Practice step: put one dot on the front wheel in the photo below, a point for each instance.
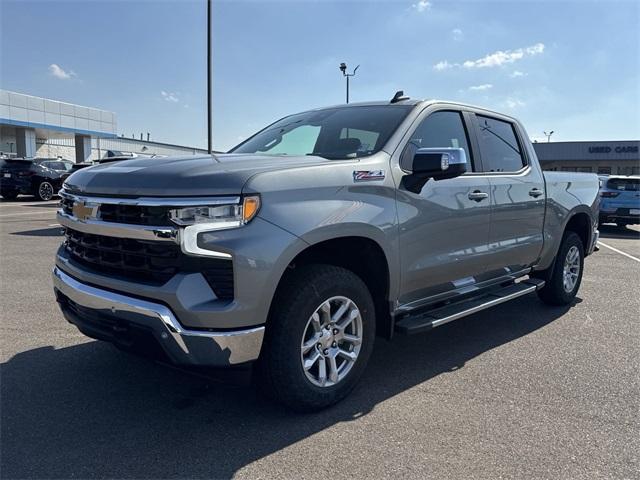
(45, 191)
(566, 275)
(319, 337)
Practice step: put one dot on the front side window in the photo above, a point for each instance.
(443, 129)
(333, 133)
(499, 145)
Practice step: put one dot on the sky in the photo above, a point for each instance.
(568, 66)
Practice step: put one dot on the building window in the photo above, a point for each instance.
(628, 170)
(604, 170)
(567, 169)
(584, 169)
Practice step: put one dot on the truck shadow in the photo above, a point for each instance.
(41, 232)
(89, 411)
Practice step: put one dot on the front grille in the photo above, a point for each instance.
(134, 214)
(154, 263)
(157, 216)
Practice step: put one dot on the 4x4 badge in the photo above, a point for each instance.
(367, 175)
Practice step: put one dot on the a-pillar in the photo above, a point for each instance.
(83, 148)
(25, 142)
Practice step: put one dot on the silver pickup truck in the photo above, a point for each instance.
(321, 231)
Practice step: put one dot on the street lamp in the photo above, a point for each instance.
(548, 135)
(209, 126)
(343, 69)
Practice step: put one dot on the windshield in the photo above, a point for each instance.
(333, 133)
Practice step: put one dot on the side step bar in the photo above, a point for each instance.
(448, 313)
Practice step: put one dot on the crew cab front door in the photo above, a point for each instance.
(443, 229)
(517, 195)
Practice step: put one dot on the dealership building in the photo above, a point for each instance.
(33, 126)
(606, 158)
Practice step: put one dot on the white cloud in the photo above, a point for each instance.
(479, 88)
(502, 57)
(495, 59)
(422, 6)
(517, 73)
(457, 34)
(169, 96)
(57, 71)
(443, 65)
(513, 103)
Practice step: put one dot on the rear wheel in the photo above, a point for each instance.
(319, 337)
(9, 194)
(45, 191)
(566, 275)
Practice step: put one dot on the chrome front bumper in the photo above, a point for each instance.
(84, 306)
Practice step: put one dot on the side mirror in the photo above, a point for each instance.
(436, 163)
(439, 163)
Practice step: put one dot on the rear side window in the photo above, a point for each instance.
(499, 145)
(442, 129)
(632, 184)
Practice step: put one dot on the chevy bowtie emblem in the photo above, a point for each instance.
(367, 175)
(82, 212)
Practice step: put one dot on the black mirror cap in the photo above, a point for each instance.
(439, 163)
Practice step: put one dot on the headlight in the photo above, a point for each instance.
(217, 217)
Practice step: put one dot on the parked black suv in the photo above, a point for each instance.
(41, 177)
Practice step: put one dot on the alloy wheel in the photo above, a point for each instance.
(571, 269)
(331, 341)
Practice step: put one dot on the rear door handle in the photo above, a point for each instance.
(535, 192)
(478, 196)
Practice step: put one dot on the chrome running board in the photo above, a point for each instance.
(454, 311)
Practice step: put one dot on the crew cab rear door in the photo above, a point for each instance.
(517, 195)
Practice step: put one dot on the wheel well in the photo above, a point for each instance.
(365, 258)
(580, 224)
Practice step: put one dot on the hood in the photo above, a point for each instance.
(223, 174)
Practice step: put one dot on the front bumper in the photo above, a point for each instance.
(122, 319)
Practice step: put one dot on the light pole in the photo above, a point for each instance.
(209, 126)
(343, 69)
(548, 135)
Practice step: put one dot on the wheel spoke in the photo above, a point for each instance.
(322, 371)
(350, 356)
(315, 322)
(338, 315)
(352, 339)
(350, 318)
(325, 309)
(311, 361)
(333, 368)
(309, 344)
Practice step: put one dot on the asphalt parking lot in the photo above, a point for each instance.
(522, 390)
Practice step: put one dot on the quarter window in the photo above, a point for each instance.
(499, 145)
(441, 129)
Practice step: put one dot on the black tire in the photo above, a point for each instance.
(279, 370)
(554, 291)
(45, 191)
(9, 194)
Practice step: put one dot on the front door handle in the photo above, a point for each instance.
(535, 192)
(478, 196)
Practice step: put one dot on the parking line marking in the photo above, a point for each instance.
(619, 251)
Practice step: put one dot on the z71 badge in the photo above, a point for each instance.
(367, 175)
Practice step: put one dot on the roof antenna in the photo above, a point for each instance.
(399, 96)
